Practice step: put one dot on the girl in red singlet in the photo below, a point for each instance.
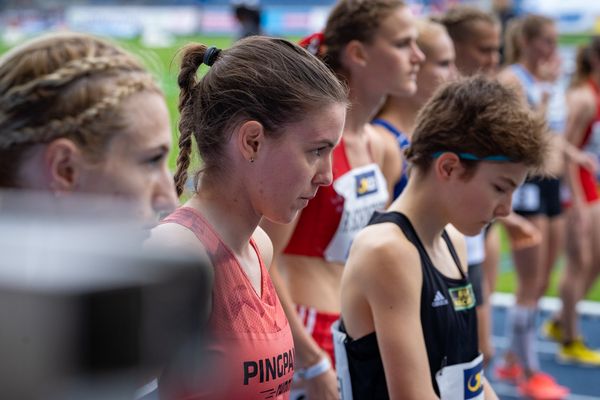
(583, 214)
(265, 117)
(371, 45)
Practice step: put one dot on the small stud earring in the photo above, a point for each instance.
(251, 159)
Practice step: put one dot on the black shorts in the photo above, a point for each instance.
(476, 277)
(538, 196)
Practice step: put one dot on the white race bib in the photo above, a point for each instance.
(461, 381)
(341, 362)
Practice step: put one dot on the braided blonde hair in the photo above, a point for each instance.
(67, 85)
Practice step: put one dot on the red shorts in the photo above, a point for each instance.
(318, 324)
(589, 186)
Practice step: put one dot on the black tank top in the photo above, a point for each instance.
(447, 317)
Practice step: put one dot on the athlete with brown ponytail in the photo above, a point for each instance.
(265, 119)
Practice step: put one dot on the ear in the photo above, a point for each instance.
(448, 166)
(250, 139)
(62, 159)
(355, 53)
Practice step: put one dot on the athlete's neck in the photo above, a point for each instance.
(420, 203)
(401, 112)
(364, 104)
(229, 212)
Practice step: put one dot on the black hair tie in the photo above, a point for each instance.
(210, 56)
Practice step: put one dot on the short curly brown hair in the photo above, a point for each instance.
(480, 116)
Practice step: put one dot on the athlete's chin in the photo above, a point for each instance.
(471, 229)
(283, 218)
(408, 88)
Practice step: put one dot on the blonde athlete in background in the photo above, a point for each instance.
(583, 212)
(265, 118)
(399, 112)
(408, 308)
(533, 64)
(371, 45)
(79, 114)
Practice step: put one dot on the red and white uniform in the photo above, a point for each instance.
(332, 219)
(328, 225)
(250, 334)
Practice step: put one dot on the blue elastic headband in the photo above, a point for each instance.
(473, 157)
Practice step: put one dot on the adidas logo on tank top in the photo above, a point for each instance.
(439, 300)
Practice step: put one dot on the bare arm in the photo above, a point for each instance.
(522, 233)
(488, 390)
(581, 112)
(387, 268)
(308, 352)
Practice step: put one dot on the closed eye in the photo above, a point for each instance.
(319, 152)
(499, 189)
(403, 43)
(156, 158)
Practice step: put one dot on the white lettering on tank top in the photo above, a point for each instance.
(364, 191)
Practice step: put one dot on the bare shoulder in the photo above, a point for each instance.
(379, 142)
(386, 140)
(506, 75)
(264, 244)
(176, 237)
(582, 101)
(381, 253)
(381, 134)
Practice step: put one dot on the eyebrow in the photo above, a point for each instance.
(325, 142)
(509, 181)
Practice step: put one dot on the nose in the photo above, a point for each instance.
(324, 175)
(418, 56)
(164, 197)
(505, 207)
(494, 60)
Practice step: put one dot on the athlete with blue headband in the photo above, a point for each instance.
(406, 270)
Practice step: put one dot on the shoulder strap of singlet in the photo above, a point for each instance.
(407, 228)
(524, 76)
(400, 136)
(528, 81)
(453, 252)
(195, 222)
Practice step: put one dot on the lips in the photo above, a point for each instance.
(309, 197)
